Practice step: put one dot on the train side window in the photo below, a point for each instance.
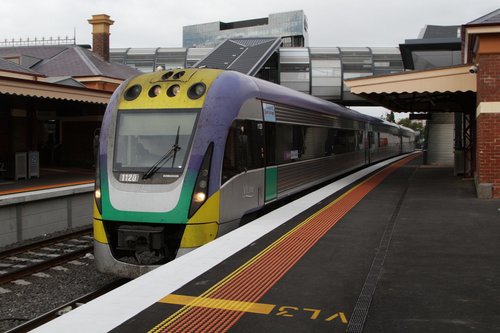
(244, 148)
(290, 145)
(371, 139)
(341, 141)
(359, 140)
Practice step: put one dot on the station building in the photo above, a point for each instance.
(52, 99)
(291, 27)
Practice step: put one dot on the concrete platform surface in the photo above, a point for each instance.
(406, 249)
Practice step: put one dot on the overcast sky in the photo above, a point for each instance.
(158, 23)
(155, 23)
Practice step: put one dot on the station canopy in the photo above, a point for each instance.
(449, 89)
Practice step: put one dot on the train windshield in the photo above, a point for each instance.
(153, 140)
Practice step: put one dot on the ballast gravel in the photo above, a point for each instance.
(32, 296)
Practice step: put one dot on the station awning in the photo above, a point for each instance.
(244, 55)
(30, 88)
(449, 89)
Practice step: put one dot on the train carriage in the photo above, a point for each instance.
(184, 154)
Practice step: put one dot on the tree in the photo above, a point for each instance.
(389, 117)
(414, 125)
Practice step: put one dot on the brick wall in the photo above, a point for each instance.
(488, 122)
(488, 78)
(100, 45)
(488, 150)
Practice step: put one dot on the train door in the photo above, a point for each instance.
(242, 187)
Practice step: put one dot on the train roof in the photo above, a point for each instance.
(406, 129)
(283, 95)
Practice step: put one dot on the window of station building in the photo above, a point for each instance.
(294, 67)
(244, 148)
(435, 59)
(292, 41)
(143, 66)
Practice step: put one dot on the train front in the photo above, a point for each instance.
(151, 196)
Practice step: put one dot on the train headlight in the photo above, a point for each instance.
(132, 92)
(173, 90)
(197, 90)
(199, 197)
(97, 192)
(200, 192)
(154, 91)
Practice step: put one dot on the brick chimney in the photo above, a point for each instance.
(100, 35)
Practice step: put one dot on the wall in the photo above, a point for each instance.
(25, 216)
(441, 129)
(488, 125)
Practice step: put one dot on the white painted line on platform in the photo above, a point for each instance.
(117, 306)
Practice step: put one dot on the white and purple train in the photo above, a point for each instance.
(185, 154)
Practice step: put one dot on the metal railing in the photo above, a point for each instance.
(38, 41)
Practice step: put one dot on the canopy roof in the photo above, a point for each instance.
(444, 89)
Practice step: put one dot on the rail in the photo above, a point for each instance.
(26, 260)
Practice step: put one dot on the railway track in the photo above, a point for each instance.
(61, 310)
(28, 259)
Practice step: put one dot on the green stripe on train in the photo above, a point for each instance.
(271, 183)
(177, 215)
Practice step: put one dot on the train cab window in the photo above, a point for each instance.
(143, 138)
(244, 148)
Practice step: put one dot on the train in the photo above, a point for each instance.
(185, 154)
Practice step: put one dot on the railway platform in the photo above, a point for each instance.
(50, 178)
(396, 248)
(59, 199)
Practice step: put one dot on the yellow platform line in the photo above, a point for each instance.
(212, 303)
